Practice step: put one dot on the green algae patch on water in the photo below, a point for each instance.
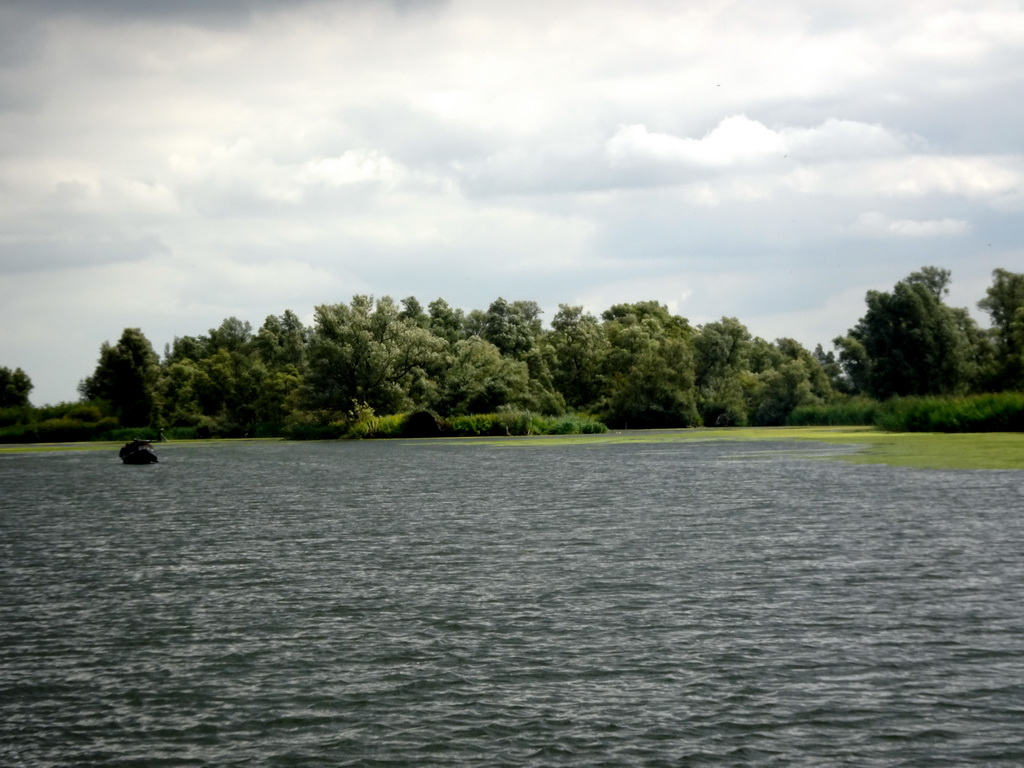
(57, 447)
(923, 450)
(939, 450)
(115, 445)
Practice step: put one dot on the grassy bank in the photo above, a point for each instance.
(999, 412)
(993, 450)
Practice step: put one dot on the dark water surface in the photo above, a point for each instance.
(459, 604)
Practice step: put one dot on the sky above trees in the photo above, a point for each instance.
(166, 165)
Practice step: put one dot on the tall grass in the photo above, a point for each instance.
(1003, 412)
(364, 424)
(854, 411)
(519, 423)
(58, 430)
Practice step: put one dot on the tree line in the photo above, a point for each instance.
(636, 365)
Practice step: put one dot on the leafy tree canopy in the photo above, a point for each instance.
(14, 388)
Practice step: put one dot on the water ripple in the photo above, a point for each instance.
(467, 605)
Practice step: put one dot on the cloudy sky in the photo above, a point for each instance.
(167, 165)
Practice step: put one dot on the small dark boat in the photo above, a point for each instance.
(138, 452)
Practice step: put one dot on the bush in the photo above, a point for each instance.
(268, 429)
(1002, 412)
(473, 425)
(305, 430)
(18, 433)
(15, 414)
(524, 423)
(85, 413)
(371, 426)
(854, 411)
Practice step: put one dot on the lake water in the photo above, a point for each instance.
(433, 603)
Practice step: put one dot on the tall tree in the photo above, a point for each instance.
(783, 376)
(579, 345)
(909, 342)
(281, 342)
(649, 368)
(14, 387)
(1004, 302)
(480, 380)
(446, 322)
(721, 353)
(513, 327)
(234, 335)
(366, 352)
(125, 377)
(412, 310)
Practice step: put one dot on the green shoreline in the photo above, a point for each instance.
(923, 450)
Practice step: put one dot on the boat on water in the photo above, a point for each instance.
(138, 452)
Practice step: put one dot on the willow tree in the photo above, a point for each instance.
(909, 342)
(721, 354)
(14, 387)
(1004, 302)
(368, 352)
(579, 347)
(649, 367)
(126, 378)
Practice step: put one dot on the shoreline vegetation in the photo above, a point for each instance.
(1001, 412)
(375, 368)
(918, 450)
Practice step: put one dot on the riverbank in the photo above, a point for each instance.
(923, 450)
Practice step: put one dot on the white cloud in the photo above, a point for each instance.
(736, 140)
(875, 224)
(243, 163)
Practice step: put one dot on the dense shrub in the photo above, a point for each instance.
(973, 413)
(854, 411)
(524, 423)
(307, 430)
(85, 412)
(268, 429)
(370, 425)
(59, 430)
(15, 414)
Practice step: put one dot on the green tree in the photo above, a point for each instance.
(829, 363)
(193, 348)
(413, 311)
(480, 379)
(14, 388)
(783, 376)
(649, 368)
(366, 352)
(909, 342)
(178, 388)
(721, 354)
(446, 322)
(125, 377)
(579, 348)
(233, 334)
(230, 387)
(1004, 302)
(281, 342)
(514, 328)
